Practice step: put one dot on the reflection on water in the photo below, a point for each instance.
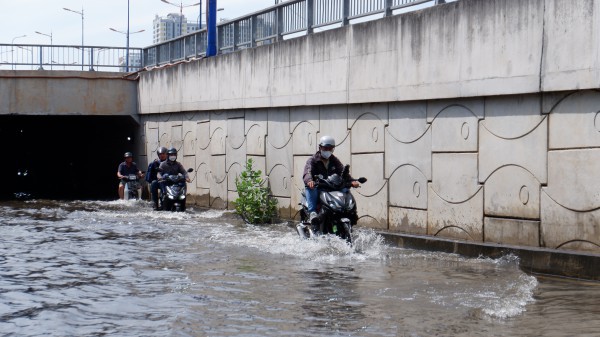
(120, 269)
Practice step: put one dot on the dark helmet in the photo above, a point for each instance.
(172, 152)
(160, 150)
(128, 154)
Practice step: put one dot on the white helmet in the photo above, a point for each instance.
(327, 141)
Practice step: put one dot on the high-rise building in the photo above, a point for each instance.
(172, 26)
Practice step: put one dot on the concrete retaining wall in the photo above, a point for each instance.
(475, 120)
(467, 48)
(518, 170)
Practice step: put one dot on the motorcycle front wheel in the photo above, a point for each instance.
(347, 234)
(179, 206)
(167, 205)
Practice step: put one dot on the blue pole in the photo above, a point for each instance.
(211, 25)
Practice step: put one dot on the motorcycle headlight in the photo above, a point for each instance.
(182, 197)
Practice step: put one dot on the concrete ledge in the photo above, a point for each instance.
(67, 93)
(531, 260)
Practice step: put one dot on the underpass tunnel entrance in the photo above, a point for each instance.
(64, 157)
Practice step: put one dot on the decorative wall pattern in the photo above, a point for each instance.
(520, 169)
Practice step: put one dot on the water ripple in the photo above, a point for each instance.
(118, 268)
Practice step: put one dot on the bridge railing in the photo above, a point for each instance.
(273, 24)
(68, 57)
(263, 27)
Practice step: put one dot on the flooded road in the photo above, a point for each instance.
(120, 269)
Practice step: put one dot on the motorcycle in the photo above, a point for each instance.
(133, 188)
(23, 182)
(175, 190)
(336, 210)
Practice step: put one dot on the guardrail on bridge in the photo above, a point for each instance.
(263, 27)
(66, 57)
(272, 24)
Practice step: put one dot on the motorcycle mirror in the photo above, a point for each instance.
(190, 170)
(362, 180)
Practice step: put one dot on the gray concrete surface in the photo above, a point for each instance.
(67, 93)
(571, 264)
(476, 169)
(476, 120)
(467, 48)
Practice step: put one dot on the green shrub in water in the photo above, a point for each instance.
(254, 203)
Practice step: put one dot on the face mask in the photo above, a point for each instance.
(326, 154)
(172, 158)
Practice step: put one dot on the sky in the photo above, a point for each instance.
(25, 17)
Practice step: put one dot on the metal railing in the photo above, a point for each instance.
(273, 24)
(263, 27)
(65, 57)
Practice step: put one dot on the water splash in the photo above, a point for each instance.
(493, 288)
(283, 239)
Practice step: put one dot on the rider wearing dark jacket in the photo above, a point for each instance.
(152, 172)
(171, 166)
(125, 169)
(324, 163)
(315, 165)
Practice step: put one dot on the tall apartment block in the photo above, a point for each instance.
(171, 26)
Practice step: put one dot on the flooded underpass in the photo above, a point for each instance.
(119, 269)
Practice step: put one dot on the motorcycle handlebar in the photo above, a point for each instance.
(128, 177)
(176, 177)
(173, 178)
(319, 178)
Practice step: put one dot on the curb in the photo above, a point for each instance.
(572, 264)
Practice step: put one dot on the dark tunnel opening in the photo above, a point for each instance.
(64, 157)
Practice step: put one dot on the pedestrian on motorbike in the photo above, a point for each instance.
(171, 167)
(324, 163)
(126, 168)
(152, 175)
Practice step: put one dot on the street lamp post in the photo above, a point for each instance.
(12, 52)
(127, 48)
(181, 7)
(200, 17)
(82, 48)
(98, 51)
(4, 52)
(51, 58)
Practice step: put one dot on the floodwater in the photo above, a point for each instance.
(119, 269)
